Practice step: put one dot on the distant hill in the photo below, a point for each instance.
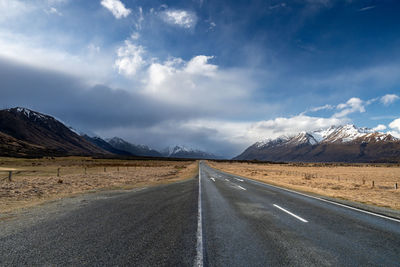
(136, 150)
(105, 145)
(24, 132)
(336, 144)
(180, 151)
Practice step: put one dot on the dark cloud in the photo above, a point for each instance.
(101, 109)
(84, 107)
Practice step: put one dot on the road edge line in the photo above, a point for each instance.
(333, 202)
(199, 244)
(318, 198)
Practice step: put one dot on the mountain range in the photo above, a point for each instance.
(180, 151)
(346, 143)
(27, 133)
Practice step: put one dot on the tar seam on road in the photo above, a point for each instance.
(328, 201)
(288, 212)
(199, 256)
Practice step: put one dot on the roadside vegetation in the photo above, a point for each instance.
(34, 181)
(366, 183)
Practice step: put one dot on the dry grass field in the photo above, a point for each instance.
(35, 181)
(350, 182)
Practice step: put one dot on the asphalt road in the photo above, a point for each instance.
(155, 226)
(246, 223)
(240, 223)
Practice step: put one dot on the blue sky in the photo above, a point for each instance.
(215, 75)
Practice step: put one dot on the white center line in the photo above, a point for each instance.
(240, 180)
(288, 212)
(199, 248)
(226, 180)
(212, 178)
(241, 187)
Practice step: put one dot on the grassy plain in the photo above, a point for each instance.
(351, 182)
(35, 181)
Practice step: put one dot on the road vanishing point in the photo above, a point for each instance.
(216, 219)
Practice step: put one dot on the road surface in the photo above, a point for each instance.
(234, 222)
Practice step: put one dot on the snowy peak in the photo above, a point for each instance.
(172, 150)
(342, 134)
(180, 151)
(116, 141)
(137, 150)
(302, 138)
(284, 140)
(332, 135)
(346, 143)
(30, 114)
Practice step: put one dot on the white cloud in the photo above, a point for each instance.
(395, 125)
(212, 25)
(277, 6)
(10, 9)
(139, 19)
(389, 99)
(53, 11)
(243, 134)
(35, 51)
(380, 127)
(130, 58)
(199, 65)
(324, 107)
(366, 8)
(354, 104)
(186, 82)
(116, 7)
(135, 36)
(181, 18)
(93, 49)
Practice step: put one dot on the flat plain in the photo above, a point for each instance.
(372, 184)
(35, 181)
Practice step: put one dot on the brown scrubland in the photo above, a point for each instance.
(35, 181)
(365, 183)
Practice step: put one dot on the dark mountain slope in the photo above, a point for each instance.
(42, 131)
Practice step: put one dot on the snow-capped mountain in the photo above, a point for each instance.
(340, 134)
(180, 151)
(29, 133)
(336, 143)
(137, 150)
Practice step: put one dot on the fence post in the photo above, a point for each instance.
(85, 171)
(373, 183)
(117, 169)
(395, 186)
(105, 169)
(58, 172)
(10, 176)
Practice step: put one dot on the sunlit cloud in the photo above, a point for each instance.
(182, 18)
(389, 99)
(116, 7)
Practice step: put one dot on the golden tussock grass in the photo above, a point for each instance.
(350, 182)
(35, 181)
